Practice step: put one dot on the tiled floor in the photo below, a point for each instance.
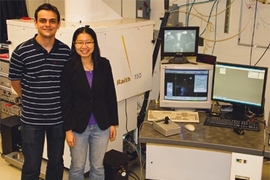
(9, 172)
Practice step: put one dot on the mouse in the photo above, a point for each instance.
(239, 131)
(190, 127)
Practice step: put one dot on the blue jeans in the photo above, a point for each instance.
(32, 147)
(96, 140)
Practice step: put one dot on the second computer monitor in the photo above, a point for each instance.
(241, 85)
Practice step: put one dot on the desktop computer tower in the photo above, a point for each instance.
(116, 165)
(11, 134)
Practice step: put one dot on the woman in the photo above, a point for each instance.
(89, 105)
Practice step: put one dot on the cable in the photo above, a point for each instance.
(262, 54)
(188, 14)
(267, 130)
(177, 7)
(217, 13)
(249, 113)
(128, 134)
(209, 16)
(148, 122)
(139, 154)
(132, 176)
(135, 147)
(2, 155)
(220, 40)
(141, 164)
(136, 176)
(138, 149)
(126, 116)
(210, 26)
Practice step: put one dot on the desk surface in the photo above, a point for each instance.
(208, 137)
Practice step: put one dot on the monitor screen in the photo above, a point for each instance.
(186, 86)
(179, 40)
(240, 85)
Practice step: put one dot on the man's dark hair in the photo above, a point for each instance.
(47, 7)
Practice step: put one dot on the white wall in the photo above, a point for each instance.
(125, 8)
(33, 4)
(226, 48)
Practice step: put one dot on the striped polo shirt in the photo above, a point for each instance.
(39, 73)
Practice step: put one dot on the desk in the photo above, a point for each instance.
(207, 153)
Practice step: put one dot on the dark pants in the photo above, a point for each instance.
(32, 146)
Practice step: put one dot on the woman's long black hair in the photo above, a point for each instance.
(96, 53)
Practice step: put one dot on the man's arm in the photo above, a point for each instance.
(16, 85)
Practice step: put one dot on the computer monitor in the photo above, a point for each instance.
(242, 86)
(186, 86)
(179, 42)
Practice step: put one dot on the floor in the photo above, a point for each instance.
(266, 170)
(10, 172)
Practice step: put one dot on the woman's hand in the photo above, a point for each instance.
(70, 138)
(112, 133)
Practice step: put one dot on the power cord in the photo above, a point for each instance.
(249, 113)
(134, 175)
(137, 149)
(141, 154)
(2, 155)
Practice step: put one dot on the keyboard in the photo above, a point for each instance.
(175, 116)
(229, 123)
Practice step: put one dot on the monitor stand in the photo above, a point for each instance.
(179, 58)
(238, 113)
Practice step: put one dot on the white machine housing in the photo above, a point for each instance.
(127, 43)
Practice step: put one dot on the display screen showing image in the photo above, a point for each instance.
(239, 84)
(186, 85)
(179, 40)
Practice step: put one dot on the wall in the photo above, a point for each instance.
(225, 47)
(33, 4)
(125, 8)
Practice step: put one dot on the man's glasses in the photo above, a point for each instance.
(81, 43)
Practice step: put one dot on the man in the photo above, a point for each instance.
(35, 71)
